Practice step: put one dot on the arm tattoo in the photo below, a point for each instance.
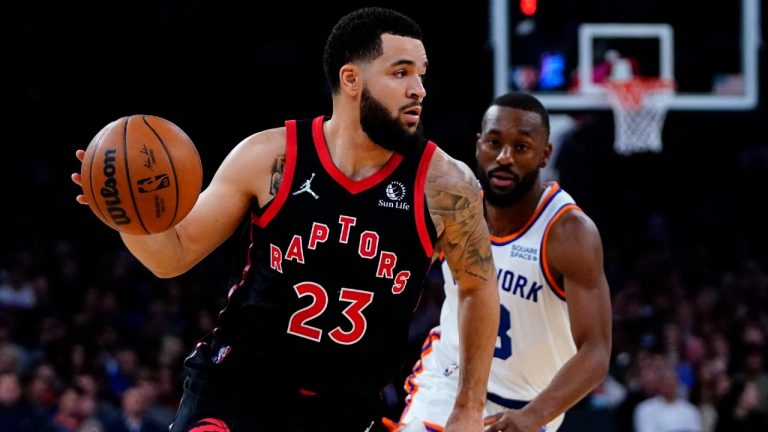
(276, 179)
(454, 200)
(471, 244)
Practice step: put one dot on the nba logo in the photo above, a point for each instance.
(223, 352)
(151, 184)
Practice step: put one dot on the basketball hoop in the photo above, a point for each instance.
(639, 108)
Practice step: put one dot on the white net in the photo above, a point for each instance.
(639, 108)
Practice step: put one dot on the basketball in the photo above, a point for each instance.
(141, 174)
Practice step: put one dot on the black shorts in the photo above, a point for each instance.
(216, 402)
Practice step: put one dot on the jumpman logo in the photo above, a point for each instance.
(306, 188)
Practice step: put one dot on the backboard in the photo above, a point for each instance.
(563, 49)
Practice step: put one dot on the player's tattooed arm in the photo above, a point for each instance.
(276, 177)
(456, 207)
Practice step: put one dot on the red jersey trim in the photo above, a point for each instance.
(247, 267)
(352, 186)
(290, 166)
(418, 198)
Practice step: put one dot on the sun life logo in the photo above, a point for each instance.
(395, 191)
(396, 194)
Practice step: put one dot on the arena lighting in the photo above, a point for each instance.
(528, 7)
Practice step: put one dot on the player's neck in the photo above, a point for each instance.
(351, 150)
(503, 221)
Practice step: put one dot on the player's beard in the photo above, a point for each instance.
(385, 130)
(522, 186)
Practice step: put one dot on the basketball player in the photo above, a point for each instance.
(346, 212)
(554, 335)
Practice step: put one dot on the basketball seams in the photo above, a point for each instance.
(172, 165)
(96, 149)
(128, 177)
(105, 176)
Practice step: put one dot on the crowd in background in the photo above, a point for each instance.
(91, 341)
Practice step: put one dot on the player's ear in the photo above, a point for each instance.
(547, 154)
(349, 79)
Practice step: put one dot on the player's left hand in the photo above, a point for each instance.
(464, 420)
(509, 421)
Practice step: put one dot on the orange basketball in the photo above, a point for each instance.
(141, 174)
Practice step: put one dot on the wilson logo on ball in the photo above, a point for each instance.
(110, 193)
(141, 174)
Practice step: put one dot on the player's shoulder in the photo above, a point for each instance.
(259, 148)
(443, 162)
(574, 225)
(448, 176)
(574, 244)
(268, 140)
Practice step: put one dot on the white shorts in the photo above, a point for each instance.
(432, 388)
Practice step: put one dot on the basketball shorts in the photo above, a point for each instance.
(216, 402)
(496, 404)
(432, 388)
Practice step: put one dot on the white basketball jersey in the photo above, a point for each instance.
(534, 332)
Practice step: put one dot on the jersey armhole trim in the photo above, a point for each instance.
(419, 200)
(290, 166)
(551, 194)
(246, 268)
(556, 288)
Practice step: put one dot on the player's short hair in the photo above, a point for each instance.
(357, 37)
(525, 102)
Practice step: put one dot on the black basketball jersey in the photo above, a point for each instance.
(336, 268)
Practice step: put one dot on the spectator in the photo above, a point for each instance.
(18, 414)
(133, 416)
(17, 290)
(70, 412)
(102, 412)
(644, 386)
(667, 412)
(122, 371)
(711, 385)
(754, 372)
(157, 411)
(13, 356)
(41, 387)
(738, 410)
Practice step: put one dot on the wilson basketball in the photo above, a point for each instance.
(141, 174)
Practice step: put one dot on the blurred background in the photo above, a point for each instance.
(90, 340)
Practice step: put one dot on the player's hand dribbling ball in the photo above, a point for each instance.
(141, 174)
